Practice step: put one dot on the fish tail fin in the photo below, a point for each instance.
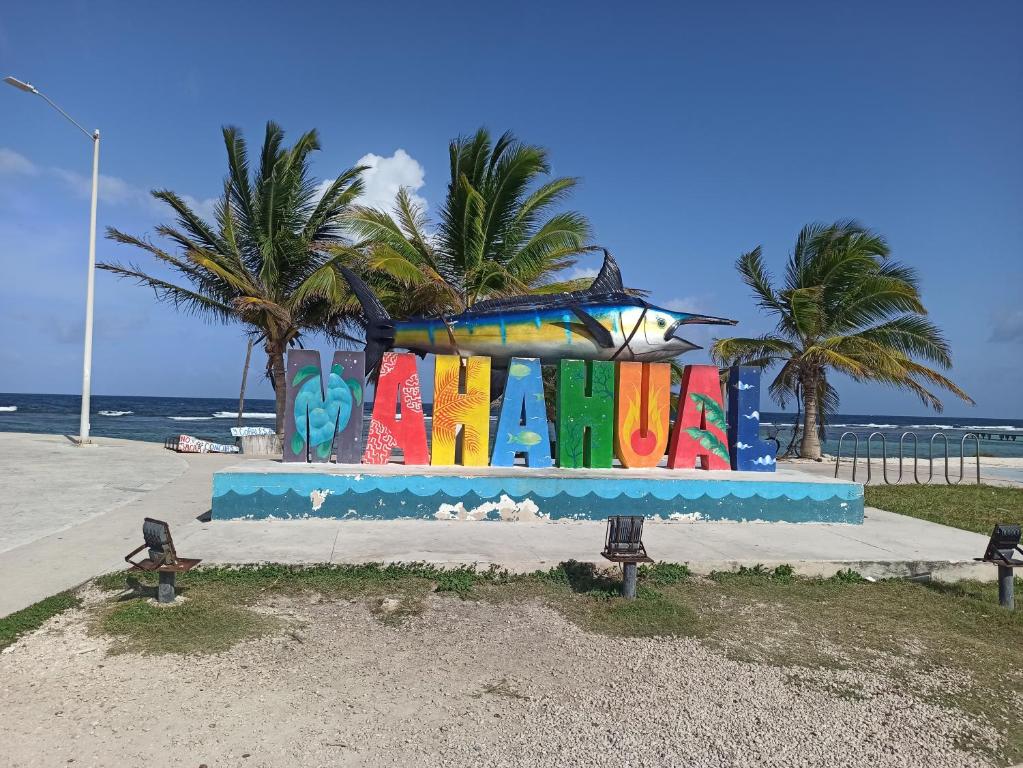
(379, 325)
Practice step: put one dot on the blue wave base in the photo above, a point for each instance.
(361, 496)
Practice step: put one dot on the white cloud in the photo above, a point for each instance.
(385, 176)
(691, 304)
(13, 163)
(579, 273)
(206, 208)
(112, 189)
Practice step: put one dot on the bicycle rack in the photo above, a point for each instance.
(856, 452)
(916, 456)
(962, 457)
(902, 456)
(884, 456)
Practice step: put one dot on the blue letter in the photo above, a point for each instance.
(523, 397)
(748, 452)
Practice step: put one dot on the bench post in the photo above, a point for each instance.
(165, 592)
(629, 581)
(1006, 598)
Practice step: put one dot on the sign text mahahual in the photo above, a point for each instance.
(605, 409)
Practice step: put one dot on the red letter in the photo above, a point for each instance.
(699, 436)
(406, 430)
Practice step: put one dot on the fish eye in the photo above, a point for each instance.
(661, 322)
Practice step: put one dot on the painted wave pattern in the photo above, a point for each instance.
(381, 505)
(537, 487)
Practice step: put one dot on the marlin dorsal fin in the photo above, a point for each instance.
(609, 279)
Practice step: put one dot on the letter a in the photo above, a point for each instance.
(522, 427)
(699, 433)
(406, 429)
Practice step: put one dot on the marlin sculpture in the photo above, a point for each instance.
(602, 322)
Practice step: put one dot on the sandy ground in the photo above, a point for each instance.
(464, 684)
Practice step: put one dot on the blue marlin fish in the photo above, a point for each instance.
(602, 322)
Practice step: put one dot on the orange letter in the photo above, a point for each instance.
(641, 413)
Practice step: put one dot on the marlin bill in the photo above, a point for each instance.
(602, 322)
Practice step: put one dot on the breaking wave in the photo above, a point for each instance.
(246, 415)
(115, 413)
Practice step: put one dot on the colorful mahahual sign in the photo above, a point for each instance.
(613, 389)
(605, 411)
(623, 438)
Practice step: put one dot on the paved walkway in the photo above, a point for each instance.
(885, 545)
(68, 514)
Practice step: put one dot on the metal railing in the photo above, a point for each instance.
(906, 436)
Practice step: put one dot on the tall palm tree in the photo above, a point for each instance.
(266, 260)
(497, 233)
(844, 305)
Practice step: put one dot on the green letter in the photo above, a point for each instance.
(586, 411)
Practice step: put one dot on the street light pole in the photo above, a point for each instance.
(83, 424)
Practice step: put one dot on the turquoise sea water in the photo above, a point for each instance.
(154, 419)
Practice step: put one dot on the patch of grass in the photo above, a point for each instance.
(970, 507)
(755, 574)
(355, 580)
(216, 613)
(589, 597)
(652, 613)
(848, 575)
(28, 619)
(663, 573)
(206, 623)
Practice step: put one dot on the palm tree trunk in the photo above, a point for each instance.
(810, 446)
(245, 376)
(275, 364)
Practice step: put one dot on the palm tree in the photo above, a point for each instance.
(264, 261)
(496, 235)
(845, 305)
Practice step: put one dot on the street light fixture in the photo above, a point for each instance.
(83, 425)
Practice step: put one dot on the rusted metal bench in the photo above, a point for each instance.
(162, 557)
(624, 544)
(1001, 551)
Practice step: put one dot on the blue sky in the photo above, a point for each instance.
(699, 130)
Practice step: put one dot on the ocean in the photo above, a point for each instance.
(154, 419)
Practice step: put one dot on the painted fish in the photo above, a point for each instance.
(602, 322)
(525, 437)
